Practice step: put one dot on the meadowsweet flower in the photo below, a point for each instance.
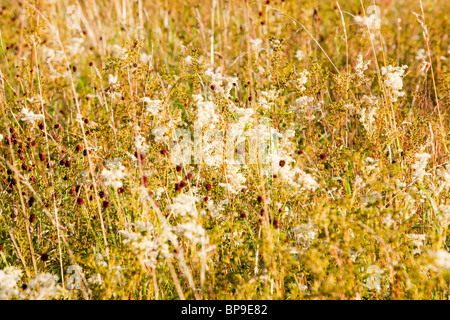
(43, 286)
(75, 47)
(421, 54)
(112, 79)
(256, 44)
(30, 116)
(373, 22)
(418, 240)
(140, 144)
(441, 259)
(444, 173)
(234, 180)
(361, 66)
(192, 231)
(152, 106)
(114, 174)
(394, 80)
(305, 234)
(307, 180)
(8, 285)
(145, 58)
(188, 59)
(299, 55)
(184, 205)
(302, 79)
(387, 220)
(444, 216)
(206, 114)
(160, 134)
(419, 166)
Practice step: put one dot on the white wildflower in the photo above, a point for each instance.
(305, 234)
(372, 21)
(160, 134)
(256, 44)
(192, 231)
(140, 144)
(112, 79)
(444, 217)
(299, 55)
(8, 285)
(361, 66)
(184, 205)
(419, 166)
(444, 173)
(30, 116)
(441, 259)
(234, 180)
(43, 286)
(152, 106)
(114, 174)
(145, 58)
(394, 80)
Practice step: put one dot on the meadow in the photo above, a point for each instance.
(224, 149)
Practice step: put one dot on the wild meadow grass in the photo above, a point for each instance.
(224, 149)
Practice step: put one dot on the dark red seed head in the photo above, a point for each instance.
(24, 166)
(11, 130)
(323, 156)
(101, 194)
(260, 199)
(208, 186)
(57, 126)
(177, 186)
(275, 176)
(163, 152)
(30, 202)
(243, 215)
(189, 176)
(32, 218)
(67, 164)
(78, 148)
(41, 126)
(213, 87)
(282, 163)
(206, 198)
(120, 190)
(44, 257)
(106, 204)
(41, 156)
(178, 168)
(62, 162)
(276, 223)
(145, 181)
(80, 201)
(299, 151)
(183, 183)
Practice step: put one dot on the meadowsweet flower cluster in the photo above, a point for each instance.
(224, 150)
